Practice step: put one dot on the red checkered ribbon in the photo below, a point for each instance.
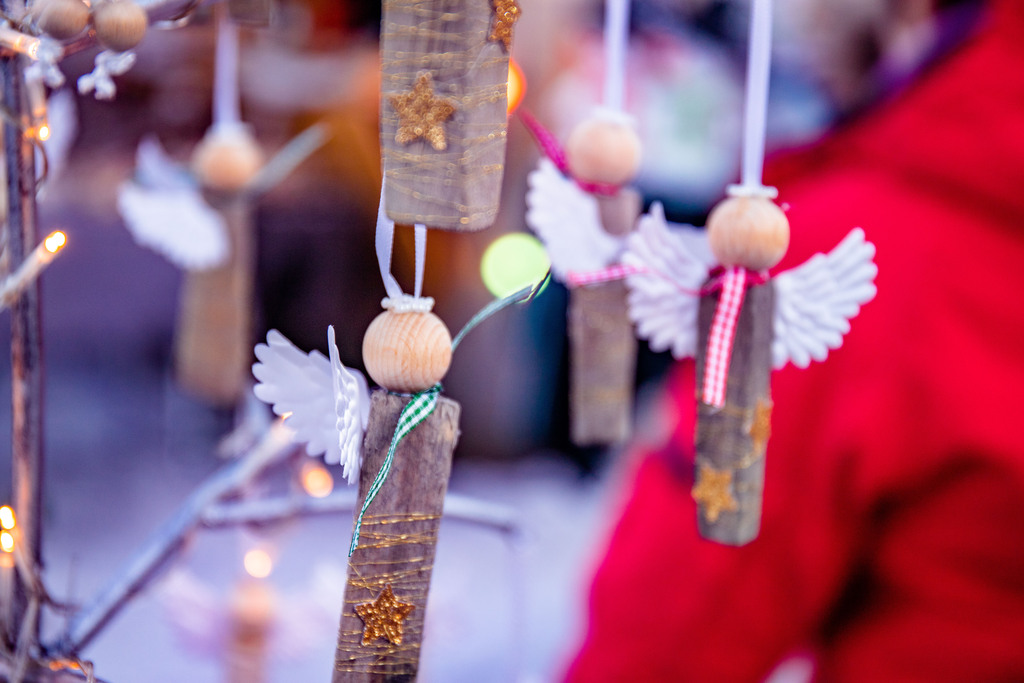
(576, 278)
(723, 333)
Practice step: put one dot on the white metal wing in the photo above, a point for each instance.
(302, 386)
(567, 220)
(815, 301)
(664, 293)
(165, 211)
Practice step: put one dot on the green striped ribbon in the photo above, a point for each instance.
(423, 403)
(415, 411)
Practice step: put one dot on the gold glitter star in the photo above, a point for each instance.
(712, 492)
(383, 617)
(421, 114)
(506, 14)
(760, 429)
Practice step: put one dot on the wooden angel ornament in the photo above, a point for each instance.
(443, 129)
(397, 442)
(200, 218)
(581, 208)
(737, 320)
(740, 324)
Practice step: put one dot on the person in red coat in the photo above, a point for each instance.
(892, 539)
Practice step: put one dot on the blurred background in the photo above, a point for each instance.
(125, 445)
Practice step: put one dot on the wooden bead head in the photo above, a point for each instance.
(120, 24)
(407, 352)
(751, 232)
(604, 149)
(61, 19)
(227, 158)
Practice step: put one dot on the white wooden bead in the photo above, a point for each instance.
(603, 150)
(61, 19)
(226, 159)
(120, 24)
(407, 352)
(751, 232)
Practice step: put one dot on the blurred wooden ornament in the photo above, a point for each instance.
(748, 231)
(61, 19)
(407, 351)
(604, 149)
(227, 158)
(120, 24)
(253, 608)
(251, 12)
(213, 344)
(602, 344)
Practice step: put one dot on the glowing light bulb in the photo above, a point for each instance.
(43, 133)
(7, 520)
(513, 261)
(316, 480)
(258, 563)
(55, 242)
(6, 541)
(516, 85)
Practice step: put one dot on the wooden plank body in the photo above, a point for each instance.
(602, 349)
(398, 538)
(456, 188)
(213, 347)
(251, 12)
(602, 344)
(251, 615)
(733, 439)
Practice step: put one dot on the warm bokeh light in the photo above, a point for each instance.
(6, 541)
(316, 480)
(43, 133)
(258, 563)
(516, 85)
(55, 242)
(512, 262)
(7, 520)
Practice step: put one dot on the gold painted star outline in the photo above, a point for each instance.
(422, 114)
(713, 492)
(506, 14)
(383, 617)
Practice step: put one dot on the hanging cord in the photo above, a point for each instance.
(226, 108)
(756, 109)
(385, 238)
(616, 41)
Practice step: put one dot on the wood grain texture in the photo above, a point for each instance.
(398, 537)
(251, 609)
(119, 25)
(727, 438)
(251, 12)
(213, 347)
(407, 352)
(456, 188)
(602, 345)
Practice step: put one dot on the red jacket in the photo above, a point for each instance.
(892, 541)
